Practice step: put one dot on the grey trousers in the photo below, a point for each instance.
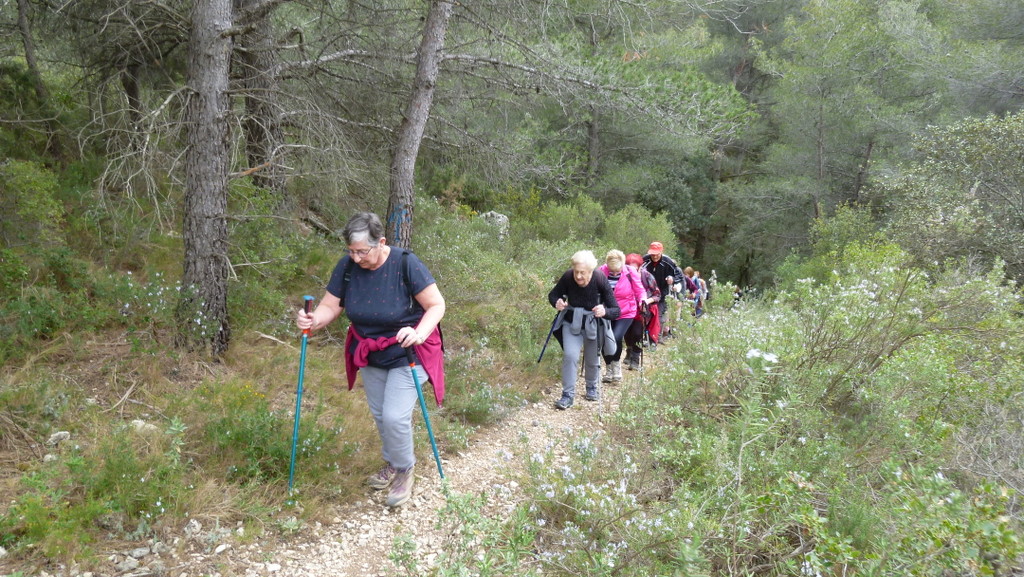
(391, 394)
(571, 345)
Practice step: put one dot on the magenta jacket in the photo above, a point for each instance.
(430, 355)
(629, 291)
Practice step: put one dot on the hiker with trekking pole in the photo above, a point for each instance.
(394, 307)
(667, 273)
(586, 304)
(647, 324)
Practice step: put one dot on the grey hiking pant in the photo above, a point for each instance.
(391, 394)
(571, 345)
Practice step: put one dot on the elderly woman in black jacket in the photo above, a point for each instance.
(584, 299)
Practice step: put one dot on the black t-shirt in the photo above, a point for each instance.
(597, 292)
(377, 302)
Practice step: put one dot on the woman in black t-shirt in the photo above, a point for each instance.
(393, 303)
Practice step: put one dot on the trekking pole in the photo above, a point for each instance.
(551, 331)
(423, 407)
(298, 395)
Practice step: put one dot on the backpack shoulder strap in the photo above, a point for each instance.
(406, 277)
(345, 278)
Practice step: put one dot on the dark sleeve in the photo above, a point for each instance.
(611, 304)
(691, 285)
(677, 272)
(419, 275)
(559, 290)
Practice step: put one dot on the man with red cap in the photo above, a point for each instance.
(666, 272)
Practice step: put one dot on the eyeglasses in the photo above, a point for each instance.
(362, 252)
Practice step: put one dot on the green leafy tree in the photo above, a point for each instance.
(964, 198)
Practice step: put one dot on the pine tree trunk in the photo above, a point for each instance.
(202, 311)
(410, 133)
(264, 136)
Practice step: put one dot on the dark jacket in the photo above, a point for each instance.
(597, 292)
(664, 268)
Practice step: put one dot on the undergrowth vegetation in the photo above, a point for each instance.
(819, 431)
(108, 432)
(862, 419)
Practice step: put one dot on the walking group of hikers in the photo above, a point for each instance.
(619, 306)
(394, 340)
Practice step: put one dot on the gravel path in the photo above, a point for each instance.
(359, 539)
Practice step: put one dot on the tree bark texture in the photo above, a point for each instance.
(410, 132)
(53, 142)
(202, 311)
(593, 146)
(30, 52)
(257, 62)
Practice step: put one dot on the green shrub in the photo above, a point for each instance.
(123, 483)
(633, 228)
(251, 443)
(32, 214)
(581, 218)
(13, 274)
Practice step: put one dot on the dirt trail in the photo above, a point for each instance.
(359, 539)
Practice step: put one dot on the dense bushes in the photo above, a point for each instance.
(840, 427)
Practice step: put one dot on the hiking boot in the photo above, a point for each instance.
(653, 347)
(633, 363)
(592, 395)
(564, 403)
(382, 479)
(609, 374)
(401, 488)
(616, 370)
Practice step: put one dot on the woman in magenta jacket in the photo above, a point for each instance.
(629, 293)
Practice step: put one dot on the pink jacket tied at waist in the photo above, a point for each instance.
(429, 355)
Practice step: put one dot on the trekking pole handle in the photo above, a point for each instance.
(307, 305)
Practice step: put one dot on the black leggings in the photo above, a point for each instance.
(619, 327)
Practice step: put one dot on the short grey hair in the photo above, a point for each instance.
(363, 226)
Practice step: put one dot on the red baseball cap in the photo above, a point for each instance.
(656, 248)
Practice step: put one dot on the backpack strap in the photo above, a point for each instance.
(345, 278)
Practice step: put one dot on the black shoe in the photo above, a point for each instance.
(564, 403)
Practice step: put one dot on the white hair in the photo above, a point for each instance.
(585, 258)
